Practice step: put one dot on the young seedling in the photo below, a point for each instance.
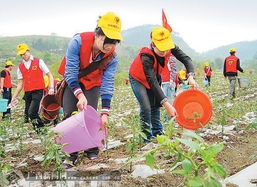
(53, 153)
(195, 159)
(4, 173)
(136, 141)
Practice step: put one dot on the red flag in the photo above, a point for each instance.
(165, 22)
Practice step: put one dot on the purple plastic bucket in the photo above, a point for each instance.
(81, 131)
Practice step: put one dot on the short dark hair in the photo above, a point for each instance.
(107, 40)
(99, 31)
(232, 53)
(7, 66)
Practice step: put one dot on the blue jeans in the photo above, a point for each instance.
(149, 115)
(168, 92)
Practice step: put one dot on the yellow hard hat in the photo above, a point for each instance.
(206, 63)
(110, 23)
(182, 74)
(22, 48)
(161, 38)
(46, 79)
(9, 63)
(232, 50)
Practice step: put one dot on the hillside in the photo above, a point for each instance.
(140, 36)
(52, 48)
(247, 50)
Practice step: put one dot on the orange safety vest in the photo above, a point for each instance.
(94, 78)
(136, 68)
(207, 70)
(231, 64)
(7, 79)
(33, 77)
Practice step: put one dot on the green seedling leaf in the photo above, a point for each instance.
(193, 145)
(161, 139)
(187, 166)
(196, 181)
(129, 147)
(212, 182)
(220, 170)
(180, 172)
(212, 152)
(150, 160)
(192, 134)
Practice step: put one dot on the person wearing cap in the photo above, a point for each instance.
(231, 66)
(180, 79)
(145, 78)
(83, 49)
(30, 74)
(207, 72)
(6, 85)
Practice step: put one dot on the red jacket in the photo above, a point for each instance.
(33, 77)
(7, 79)
(136, 68)
(94, 78)
(231, 64)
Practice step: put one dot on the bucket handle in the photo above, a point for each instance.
(48, 113)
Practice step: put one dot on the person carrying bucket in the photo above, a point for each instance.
(6, 85)
(83, 50)
(231, 66)
(207, 72)
(145, 79)
(30, 74)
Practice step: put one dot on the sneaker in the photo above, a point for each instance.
(67, 164)
(92, 156)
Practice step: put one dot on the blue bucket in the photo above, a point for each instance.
(3, 105)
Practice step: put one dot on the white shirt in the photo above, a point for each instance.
(27, 64)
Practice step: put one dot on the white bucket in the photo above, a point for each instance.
(243, 82)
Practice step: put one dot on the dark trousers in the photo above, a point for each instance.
(32, 103)
(7, 94)
(26, 111)
(209, 80)
(70, 105)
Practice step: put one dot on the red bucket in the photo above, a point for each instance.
(50, 107)
(194, 109)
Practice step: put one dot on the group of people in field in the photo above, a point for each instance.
(152, 76)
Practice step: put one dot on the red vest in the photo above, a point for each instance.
(207, 70)
(7, 79)
(136, 68)
(231, 64)
(166, 72)
(94, 78)
(33, 77)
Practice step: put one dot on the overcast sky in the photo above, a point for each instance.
(203, 24)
